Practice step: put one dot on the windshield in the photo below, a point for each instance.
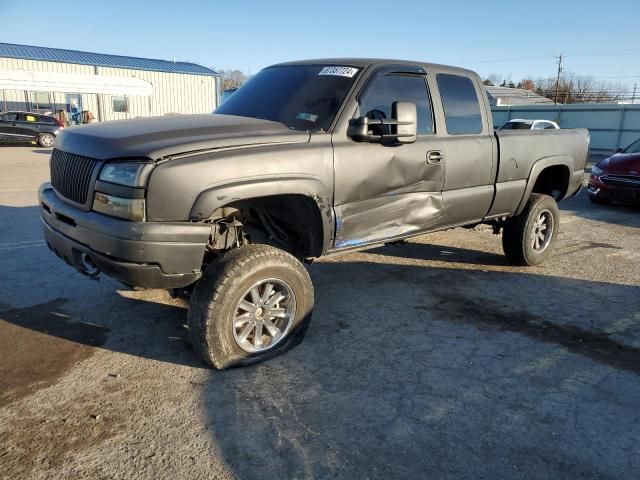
(303, 97)
(633, 148)
(516, 126)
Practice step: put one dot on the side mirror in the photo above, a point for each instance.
(406, 114)
(618, 150)
(403, 126)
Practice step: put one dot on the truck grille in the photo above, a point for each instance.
(621, 180)
(71, 175)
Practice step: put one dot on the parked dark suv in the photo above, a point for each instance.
(29, 127)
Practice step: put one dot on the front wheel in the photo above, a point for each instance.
(252, 303)
(528, 238)
(46, 140)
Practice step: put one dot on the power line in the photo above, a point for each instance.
(543, 57)
(555, 97)
(614, 76)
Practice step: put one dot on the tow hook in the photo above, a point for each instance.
(89, 268)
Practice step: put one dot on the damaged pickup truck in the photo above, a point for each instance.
(306, 159)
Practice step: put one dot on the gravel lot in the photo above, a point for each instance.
(429, 360)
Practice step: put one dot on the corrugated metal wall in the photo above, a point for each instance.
(610, 125)
(16, 98)
(172, 92)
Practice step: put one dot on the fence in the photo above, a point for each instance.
(610, 125)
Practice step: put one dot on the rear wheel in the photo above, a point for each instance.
(528, 238)
(46, 140)
(253, 303)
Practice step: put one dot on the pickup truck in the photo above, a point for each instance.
(306, 159)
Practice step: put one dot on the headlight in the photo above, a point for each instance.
(596, 170)
(127, 208)
(130, 174)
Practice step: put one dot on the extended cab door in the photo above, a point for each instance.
(469, 146)
(387, 191)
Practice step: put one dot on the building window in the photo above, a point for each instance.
(41, 100)
(120, 104)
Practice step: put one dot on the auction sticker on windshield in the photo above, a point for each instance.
(339, 71)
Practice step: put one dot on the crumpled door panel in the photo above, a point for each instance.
(386, 218)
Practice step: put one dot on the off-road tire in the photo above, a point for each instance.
(214, 300)
(599, 200)
(517, 234)
(45, 140)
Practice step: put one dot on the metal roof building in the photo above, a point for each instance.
(111, 87)
(503, 96)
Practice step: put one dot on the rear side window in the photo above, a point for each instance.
(47, 119)
(460, 103)
(380, 95)
(9, 117)
(27, 117)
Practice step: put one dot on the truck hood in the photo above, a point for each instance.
(159, 137)
(622, 163)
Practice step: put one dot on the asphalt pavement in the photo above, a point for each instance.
(434, 359)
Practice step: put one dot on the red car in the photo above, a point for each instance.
(617, 177)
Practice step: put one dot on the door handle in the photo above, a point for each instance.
(434, 157)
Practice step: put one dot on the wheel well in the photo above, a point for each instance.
(553, 181)
(291, 222)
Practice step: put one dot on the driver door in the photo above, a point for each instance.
(388, 190)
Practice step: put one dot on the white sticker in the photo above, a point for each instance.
(339, 71)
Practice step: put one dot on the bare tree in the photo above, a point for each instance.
(495, 78)
(573, 88)
(230, 79)
(526, 84)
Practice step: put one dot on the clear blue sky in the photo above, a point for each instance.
(515, 39)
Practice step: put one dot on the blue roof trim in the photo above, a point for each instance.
(28, 52)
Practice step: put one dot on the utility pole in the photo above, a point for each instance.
(633, 97)
(555, 97)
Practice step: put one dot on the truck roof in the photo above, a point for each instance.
(378, 62)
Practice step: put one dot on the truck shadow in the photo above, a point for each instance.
(408, 369)
(405, 368)
(440, 253)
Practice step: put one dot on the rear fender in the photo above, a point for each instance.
(537, 168)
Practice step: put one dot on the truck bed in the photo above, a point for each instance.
(525, 153)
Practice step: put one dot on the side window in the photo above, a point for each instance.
(549, 126)
(380, 95)
(460, 103)
(10, 117)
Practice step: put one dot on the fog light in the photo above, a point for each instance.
(127, 208)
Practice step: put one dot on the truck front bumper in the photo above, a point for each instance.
(144, 254)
